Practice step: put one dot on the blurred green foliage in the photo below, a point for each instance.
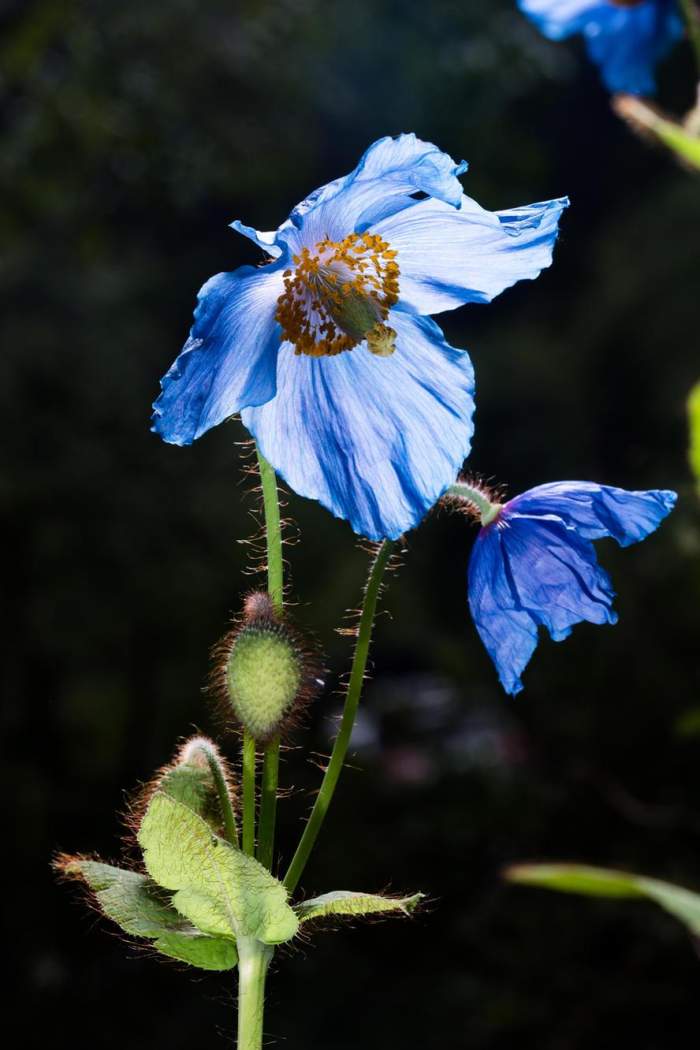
(134, 132)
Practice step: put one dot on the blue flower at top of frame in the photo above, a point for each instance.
(534, 565)
(350, 390)
(625, 38)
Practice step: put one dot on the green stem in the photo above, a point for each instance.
(472, 494)
(248, 794)
(692, 18)
(224, 800)
(342, 741)
(253, 961)
(275, 587)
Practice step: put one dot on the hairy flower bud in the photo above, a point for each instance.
(262, 674)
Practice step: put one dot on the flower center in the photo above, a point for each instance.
(339, 294)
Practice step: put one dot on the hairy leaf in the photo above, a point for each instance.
(218, 888)
(601, 882)
(143, 909)
(348, 902)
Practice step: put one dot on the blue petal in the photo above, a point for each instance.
(508, 633)
(266, 240)
(628, 43)
(389, 172)
(375, 440)
(229, 359)
(450, 256)
(595, 511)
(558, 19)
(625, 42)
(553, 580)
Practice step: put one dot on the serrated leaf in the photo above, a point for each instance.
(602, 882)
(143, 909)
(348, 902)
(694, 422)
(219, 889)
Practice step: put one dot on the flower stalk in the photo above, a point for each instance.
(275, 587)
(352, 700)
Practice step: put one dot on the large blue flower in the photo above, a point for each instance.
(351, 392)
(625, 38)
(533, 564)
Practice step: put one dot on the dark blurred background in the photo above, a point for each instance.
(134, 133)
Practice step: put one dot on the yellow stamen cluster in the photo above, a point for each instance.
(338, 295)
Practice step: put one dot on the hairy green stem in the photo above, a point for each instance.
(479, 499)
(227, 813)
(691, 13)
(248, 842)
(342, 740)
(275, 587)
(253, 961)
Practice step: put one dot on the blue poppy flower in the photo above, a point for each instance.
(533, 563)
(350, 390)
(625, 38)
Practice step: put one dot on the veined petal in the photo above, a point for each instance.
(451, 256)
(555, 574)
(596, 511)
(376, 440)
(388, 173)
(507, 631)
(229, 359)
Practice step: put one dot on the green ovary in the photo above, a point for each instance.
(263, 676)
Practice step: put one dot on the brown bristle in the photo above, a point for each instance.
(258, 606)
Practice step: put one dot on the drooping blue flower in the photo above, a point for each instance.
(350, 390)
(625, 38)
(533, 564)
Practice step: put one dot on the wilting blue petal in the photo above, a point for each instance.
(626, 42)
(535, 565)
(389, 172)
(229, 359)
(508, 633)
(375, 440)
(451, 256)
(599, 510)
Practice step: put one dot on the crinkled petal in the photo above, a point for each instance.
(555, 574)
(388, 173)
(229, 359)
(267, 240)
(376, 440)
(626, 42)
(596, 511)
(530, 572)
(449, 256)
(507, 631)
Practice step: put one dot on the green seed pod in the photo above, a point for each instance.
(262, 674)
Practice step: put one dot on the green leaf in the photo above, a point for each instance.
(601, 882)
(685, 146)
(347, 902)
(143, 909)
(694, 421)
(219, 889)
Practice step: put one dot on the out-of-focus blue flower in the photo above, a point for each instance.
(534, 564)
(350, 390)
(625, 38)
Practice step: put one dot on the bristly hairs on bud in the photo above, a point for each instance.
(264, 673)
(461, 504)
(195, 753)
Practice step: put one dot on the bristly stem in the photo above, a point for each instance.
(227, 813)
(342, 740)
(691, 13)
(248, 790)
(275, 587)
(253, 961)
